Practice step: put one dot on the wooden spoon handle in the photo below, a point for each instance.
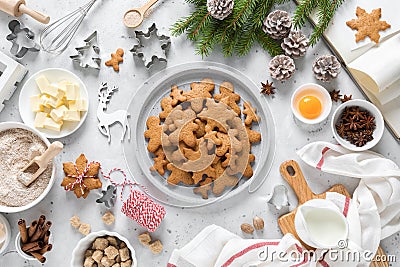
(49, 154)
(290, 170)
(144, 8)
(34, 14)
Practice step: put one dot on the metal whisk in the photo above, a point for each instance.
(56, 37)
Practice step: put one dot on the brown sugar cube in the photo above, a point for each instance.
(116, 265)
(84, 228)
(107, 262)
(125, 254)
(156, 247)
(112, 241)
(127, 263)
(108, 218)
(118, 258)
(122, 245)
(75, 221)
(88, 262)
(97, 256)
(111, 252)
(100, 243)
(88, 253)
(145, 239)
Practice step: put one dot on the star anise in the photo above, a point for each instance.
(267, 88)
(353, 125)
(335, 95)
(346, 98)
(356, 113)
(359, 139)
(341, 130)
(368, 122)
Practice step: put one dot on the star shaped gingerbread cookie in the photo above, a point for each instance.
(368, 24)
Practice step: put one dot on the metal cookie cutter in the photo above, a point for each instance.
(108, 196)
(149, 58)
(88, 55)
(19, 48)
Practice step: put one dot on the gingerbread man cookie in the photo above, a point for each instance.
(116, 58)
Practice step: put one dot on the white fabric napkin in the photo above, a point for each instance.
(378, 193)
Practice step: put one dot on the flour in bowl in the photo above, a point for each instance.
(17, 148)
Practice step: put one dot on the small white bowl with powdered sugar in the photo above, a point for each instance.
(20, 143)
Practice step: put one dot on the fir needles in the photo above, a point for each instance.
(236, 34)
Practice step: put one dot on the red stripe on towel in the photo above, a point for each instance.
(321, 161)
(346, 207)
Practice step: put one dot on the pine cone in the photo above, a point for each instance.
(281, 67)
(220, 9)
(326, 68)
(277, 24)
(295, 45)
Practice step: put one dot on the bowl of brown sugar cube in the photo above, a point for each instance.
(106, 248)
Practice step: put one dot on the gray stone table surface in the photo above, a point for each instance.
(180, 225)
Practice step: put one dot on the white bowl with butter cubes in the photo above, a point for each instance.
(54, 101)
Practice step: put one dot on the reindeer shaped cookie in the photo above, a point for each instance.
(108, 119)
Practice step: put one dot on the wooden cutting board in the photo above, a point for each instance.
(292, 173)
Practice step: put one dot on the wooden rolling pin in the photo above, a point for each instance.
(17, 7)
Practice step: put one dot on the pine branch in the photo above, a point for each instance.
(197, 2)
(268, 44)
(326, 11)
(303, 11)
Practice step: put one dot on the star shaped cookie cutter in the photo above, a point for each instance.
(90, 43)
(139, 49)
(17, 49)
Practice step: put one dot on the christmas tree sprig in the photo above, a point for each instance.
(236, 34)
(325, 11)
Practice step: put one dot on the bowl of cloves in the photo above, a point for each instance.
(357, 125)
(33, 240)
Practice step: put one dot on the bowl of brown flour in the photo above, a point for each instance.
(19, 144)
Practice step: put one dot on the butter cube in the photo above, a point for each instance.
(63, 86)
(44, 99)
(60, 94)
(46, 110)
(72, 105)
(52, 102)
(50, 124)
(71, 115)
(81, 105)
(35, 103)
(42, 83)
(58, 113)
(51, 90)
(78, 91)
(72, 92)
(40, 119)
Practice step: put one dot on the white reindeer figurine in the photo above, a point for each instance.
(108, 119)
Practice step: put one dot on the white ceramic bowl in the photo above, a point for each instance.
(378, 132)
(11, 125)
(83, 244)
(7, 230)
(29, 89)
(315, 90)
(23, 254)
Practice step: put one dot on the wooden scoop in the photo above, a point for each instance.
(17, 7)
(41, 162)
(134, 17)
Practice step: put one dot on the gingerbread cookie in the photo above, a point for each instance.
(251, 114)
(228, 97)
(368, 24)
(116, 58)
(177, 175)
(204, 143)
(81, 177)
(201, 89)
(153, 133)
